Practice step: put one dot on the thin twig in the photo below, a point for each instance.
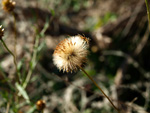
(132, 18)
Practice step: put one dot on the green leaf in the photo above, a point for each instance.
(32, 109)
(20, 64)
(52, 12)
(23, 92)
(87, 111)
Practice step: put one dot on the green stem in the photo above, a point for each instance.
(15, 35)
(14, 59)
(32, 63)
(15, 42)
(148, 11)
(99, 88)
(33, 60)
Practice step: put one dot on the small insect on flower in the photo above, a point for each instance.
(70, 54)
(8, 5)
(1, 32)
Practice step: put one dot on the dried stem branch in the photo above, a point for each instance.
(99, 88)
(148, 12)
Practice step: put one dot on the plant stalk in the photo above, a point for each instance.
(99, 88)
(15, 35)
(35, 51)
(14, 59)
(32, 63)
(148, 12)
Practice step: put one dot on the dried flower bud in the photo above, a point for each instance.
(1, 32)
(40, 104)
(70, 54)
(8, 5)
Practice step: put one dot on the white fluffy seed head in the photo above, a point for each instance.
(71, 53)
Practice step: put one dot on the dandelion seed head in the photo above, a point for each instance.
(71, 53)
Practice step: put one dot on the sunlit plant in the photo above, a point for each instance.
(70, 55)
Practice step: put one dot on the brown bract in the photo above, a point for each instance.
(70, 54)
(8, 5)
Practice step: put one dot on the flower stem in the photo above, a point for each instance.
(32, 63)
(35, 51)
(148, 12)
(15, 35)
(14, 59)
(99, 88)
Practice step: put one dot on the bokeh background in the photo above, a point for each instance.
(118, 60)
